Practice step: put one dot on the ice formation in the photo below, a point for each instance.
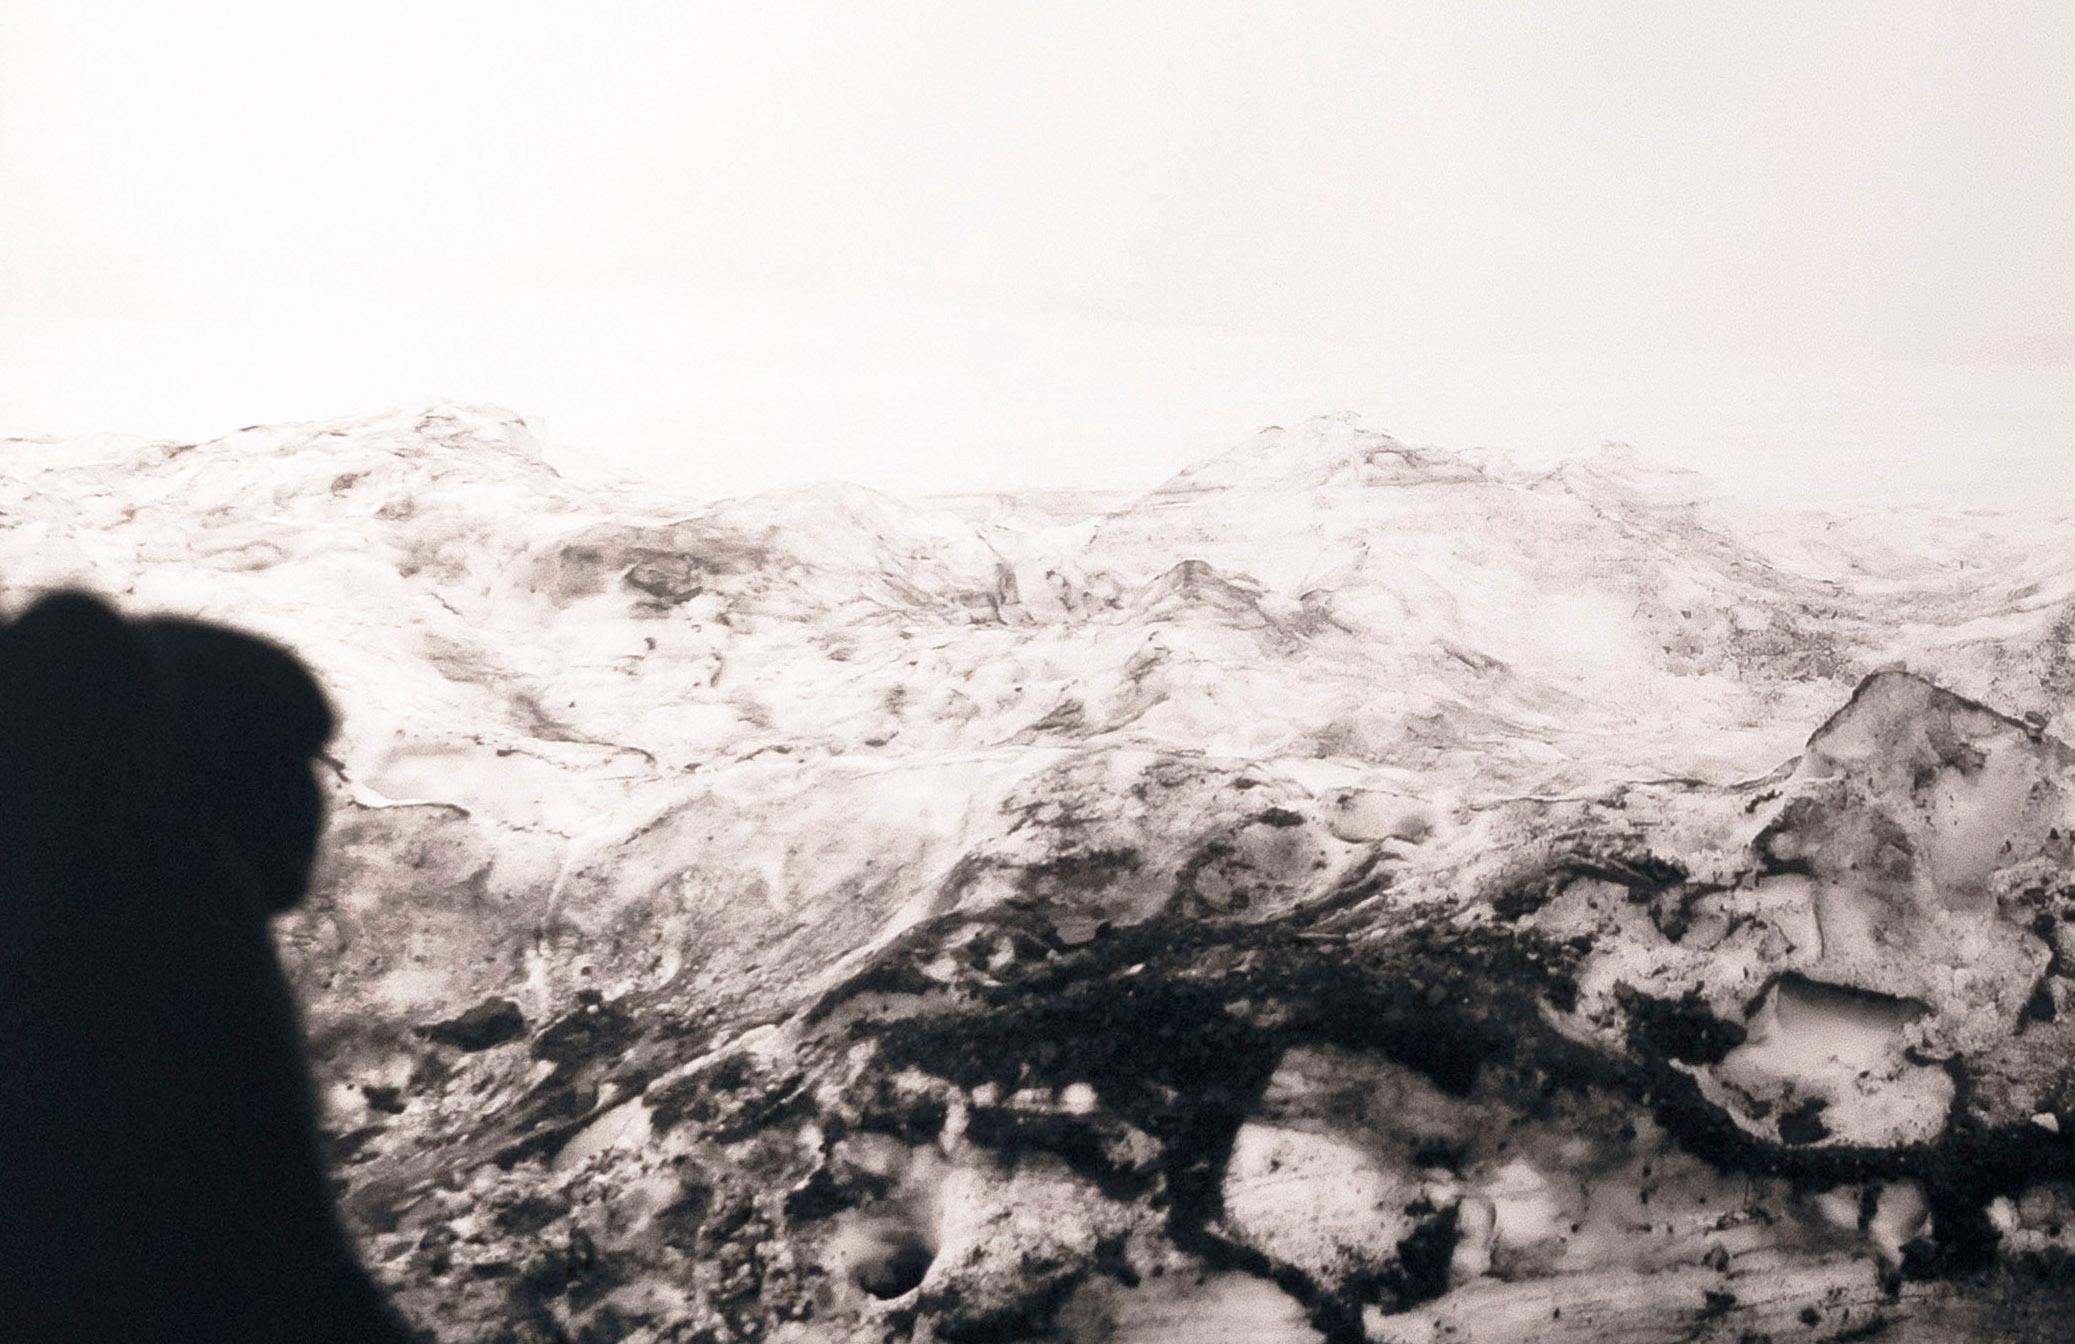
(1353, 891)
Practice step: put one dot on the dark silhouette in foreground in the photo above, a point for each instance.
(160, 1177)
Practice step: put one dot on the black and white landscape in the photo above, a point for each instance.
(1353, 891)
(988, 688)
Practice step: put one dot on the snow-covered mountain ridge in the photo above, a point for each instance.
(1323, 591)
(779, 860)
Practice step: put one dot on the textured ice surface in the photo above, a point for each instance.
(1354, 890)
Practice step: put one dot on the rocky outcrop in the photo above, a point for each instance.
(1673, 1062)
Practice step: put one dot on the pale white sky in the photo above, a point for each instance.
(977, 243)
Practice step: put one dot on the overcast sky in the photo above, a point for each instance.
(980, 243)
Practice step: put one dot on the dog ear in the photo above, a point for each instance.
(246, 720)
(83, 718)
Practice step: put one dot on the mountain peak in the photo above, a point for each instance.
(1323, 451)
(1615, 468)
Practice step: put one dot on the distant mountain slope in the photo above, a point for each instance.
(1367, 601)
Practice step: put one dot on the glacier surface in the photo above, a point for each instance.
(1352, 891)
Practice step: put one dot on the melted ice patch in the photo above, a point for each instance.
(1840, 1049)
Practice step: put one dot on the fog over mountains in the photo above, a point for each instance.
(1354, 890)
